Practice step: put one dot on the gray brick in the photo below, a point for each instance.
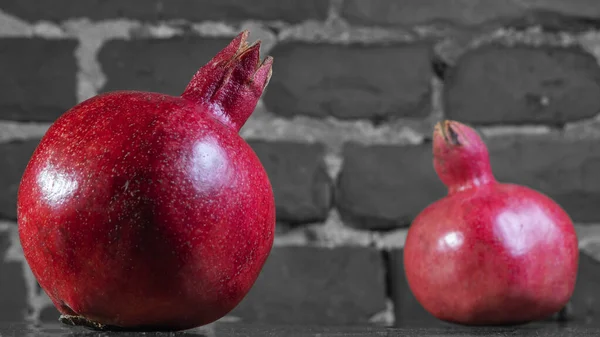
(385, 187)
(15, 156)
(523, 85)
(13, 293)
(350, 82)
(38, 81)
(317, 286)
(159, 65)
(302, 188)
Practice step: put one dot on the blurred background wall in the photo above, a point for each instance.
(343, 129)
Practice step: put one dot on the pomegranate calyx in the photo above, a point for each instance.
(450, 135)
(461, 158)
(231, 84)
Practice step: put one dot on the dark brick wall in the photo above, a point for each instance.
(13, 291)
(343, 130)
(15, 156)
(310, 285)
(523, 85)
(301, 185)
(351, 82)
(148, 64)
(31, 70)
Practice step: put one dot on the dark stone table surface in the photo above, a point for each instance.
(552, 329)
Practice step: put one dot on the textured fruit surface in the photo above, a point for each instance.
(488, 253)
(148, 211)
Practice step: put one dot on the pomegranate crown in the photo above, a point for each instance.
(231, 84)
(460, 156)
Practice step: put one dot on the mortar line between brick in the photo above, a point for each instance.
(46, 29)
(386, 317)
(333, 134)
(335, 7)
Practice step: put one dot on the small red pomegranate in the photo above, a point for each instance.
(140, 210)
(488, 253)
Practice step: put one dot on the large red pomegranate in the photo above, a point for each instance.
(141, 210)
(488, 253)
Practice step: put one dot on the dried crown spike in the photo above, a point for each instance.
(232, 82)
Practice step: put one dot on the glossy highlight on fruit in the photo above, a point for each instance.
(140, 210)
(488, 253)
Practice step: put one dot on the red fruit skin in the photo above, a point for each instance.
(488, 253)
(147, 211)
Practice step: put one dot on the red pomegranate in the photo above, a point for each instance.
(488, 253)
(140, 210)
